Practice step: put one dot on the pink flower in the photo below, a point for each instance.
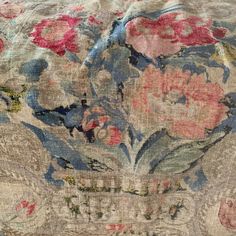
(167, 34)
(58, 35)
(184, 104)
(108, 134)
(10, 10)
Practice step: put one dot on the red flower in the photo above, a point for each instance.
(10, 10)
(184, 104)
(167, 34)
(58, 35)
(30, 208)
(108, 134)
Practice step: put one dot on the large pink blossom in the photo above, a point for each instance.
(167, 34)
(184, 104)
(58, 35)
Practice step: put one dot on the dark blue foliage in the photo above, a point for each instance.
(33, 69)
(57, 148)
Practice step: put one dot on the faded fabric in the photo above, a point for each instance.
(117, 117)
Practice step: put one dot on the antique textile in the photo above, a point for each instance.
(117, 117)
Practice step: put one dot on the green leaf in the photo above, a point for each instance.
(182, 157)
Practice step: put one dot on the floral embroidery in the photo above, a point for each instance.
(28, 207)
(97, 120)
(58, 35)
(117, 116)
(166, 35)
(185, 104)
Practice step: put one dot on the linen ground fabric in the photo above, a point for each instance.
(117, 117)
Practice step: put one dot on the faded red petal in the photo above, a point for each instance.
(72, 21)
(163, 26)
(103, 119)
(169, 82)
(152, 38)
(188, 129)
(227, 213)
(114, 136)
(92, 20)
(198, 90)
(24, 203)
(1, 45)
(10, 10)
(92, 124)
(199, 35)
(78, 8)
(214, 115)
(116, 227)
(219, 32)
(118, 14)
(166, 184)
(132, 28)
(31, 209)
